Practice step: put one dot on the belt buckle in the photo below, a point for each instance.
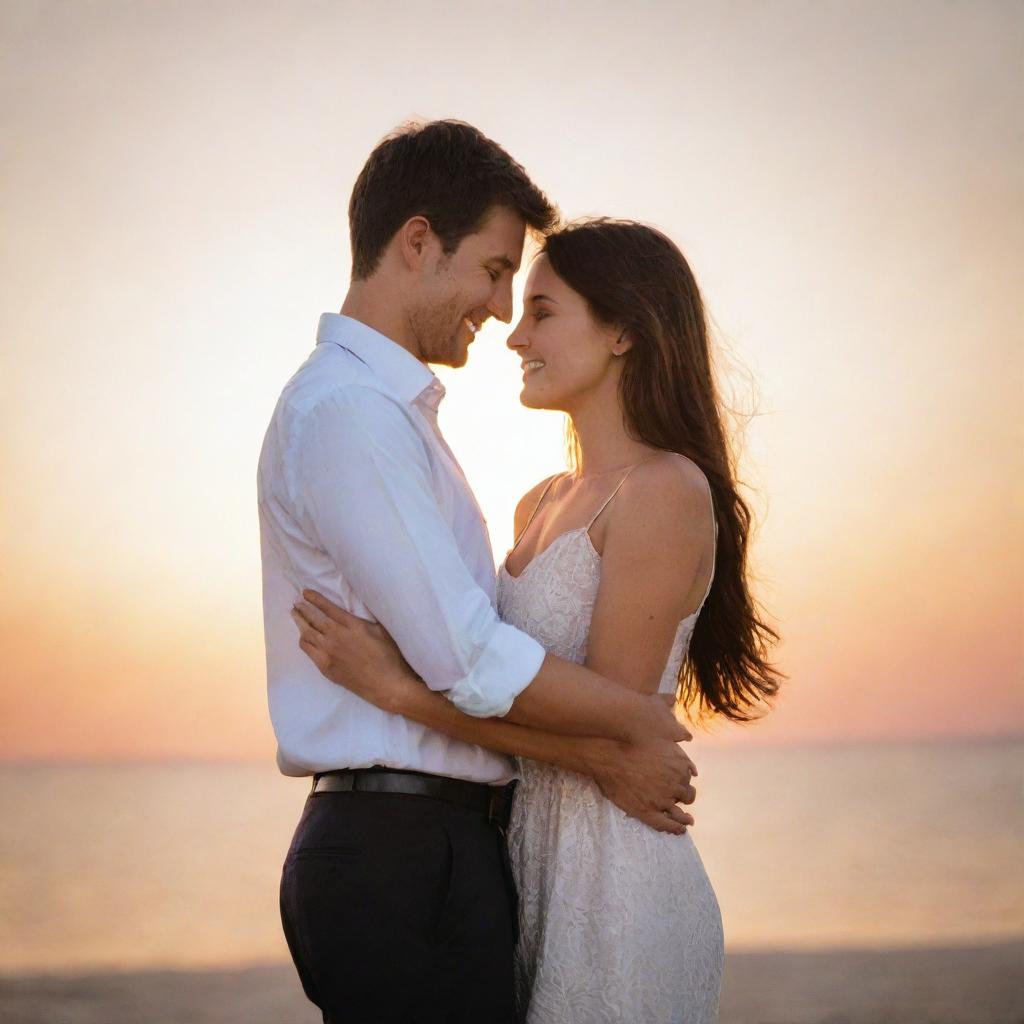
(346, 774)
(499, 810)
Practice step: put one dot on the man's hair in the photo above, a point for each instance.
(446, 171)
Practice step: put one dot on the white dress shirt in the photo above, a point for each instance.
(361, 499)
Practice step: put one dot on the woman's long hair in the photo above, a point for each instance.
(635, 279)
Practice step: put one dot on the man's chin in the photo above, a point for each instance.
(446, 357)
(456, 356)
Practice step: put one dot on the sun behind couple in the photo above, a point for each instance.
(625, 591)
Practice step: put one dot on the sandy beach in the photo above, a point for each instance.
(970, 985)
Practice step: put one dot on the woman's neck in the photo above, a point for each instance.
(605, 444)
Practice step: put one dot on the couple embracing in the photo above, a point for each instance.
(494, 832)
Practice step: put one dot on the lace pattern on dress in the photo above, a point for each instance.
(618, 923)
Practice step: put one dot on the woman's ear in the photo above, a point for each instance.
(622, 344)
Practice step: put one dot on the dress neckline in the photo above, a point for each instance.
(585, 530)
(568, 533)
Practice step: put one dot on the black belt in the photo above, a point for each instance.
(495, 802)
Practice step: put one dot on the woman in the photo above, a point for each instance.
(634, 563)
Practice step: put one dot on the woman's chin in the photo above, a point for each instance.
(530, 400)
(541, 398)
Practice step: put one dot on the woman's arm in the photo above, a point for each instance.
(645, 780)
(656, 560)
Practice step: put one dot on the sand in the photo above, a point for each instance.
(973, 985)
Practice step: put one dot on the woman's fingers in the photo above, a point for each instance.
(328, 607)
(307, 632)
(316, 618)
(315, 654)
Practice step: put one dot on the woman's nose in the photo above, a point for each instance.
(517, 339)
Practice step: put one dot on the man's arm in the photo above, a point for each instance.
(363, 489)
(645, 780)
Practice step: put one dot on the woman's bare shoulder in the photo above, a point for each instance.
(668, 475)
(668, 493)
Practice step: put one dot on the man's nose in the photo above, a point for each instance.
(501, 303)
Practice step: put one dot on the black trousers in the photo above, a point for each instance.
(398, 909)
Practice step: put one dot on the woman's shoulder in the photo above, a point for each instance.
(668, 493)
(667, 476)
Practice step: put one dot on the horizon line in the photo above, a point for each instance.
(974, 739)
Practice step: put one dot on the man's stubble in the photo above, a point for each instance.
(436, 327)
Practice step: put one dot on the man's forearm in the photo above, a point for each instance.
(571, 700)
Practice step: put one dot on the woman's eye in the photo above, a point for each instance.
(540, 315)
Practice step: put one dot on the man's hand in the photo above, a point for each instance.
(645, 780)
(658, 722)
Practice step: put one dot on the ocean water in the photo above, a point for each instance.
(135, 866)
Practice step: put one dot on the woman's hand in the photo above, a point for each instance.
(355, 653)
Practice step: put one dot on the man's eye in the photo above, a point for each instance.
(493, 274)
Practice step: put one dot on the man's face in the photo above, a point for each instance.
(457, 293)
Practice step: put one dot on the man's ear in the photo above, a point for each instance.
(414, 238)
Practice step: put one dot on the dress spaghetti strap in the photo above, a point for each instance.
(536, 509)
(714, 550)
(607, 501)
(714, 518)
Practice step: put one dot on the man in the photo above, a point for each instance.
(396, 898)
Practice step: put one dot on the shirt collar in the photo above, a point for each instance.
(398, 369)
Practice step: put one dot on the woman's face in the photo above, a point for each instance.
(566, 354)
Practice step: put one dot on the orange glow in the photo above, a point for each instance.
(165, 290)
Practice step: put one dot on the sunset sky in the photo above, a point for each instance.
(847, 181)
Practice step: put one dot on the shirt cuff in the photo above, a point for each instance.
(508, 664)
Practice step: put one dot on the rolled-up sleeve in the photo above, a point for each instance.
(363, 488)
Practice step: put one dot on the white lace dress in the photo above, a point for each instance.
(619, 923)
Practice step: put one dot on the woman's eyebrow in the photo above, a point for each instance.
(541, 298)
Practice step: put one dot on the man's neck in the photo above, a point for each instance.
(370, 305)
